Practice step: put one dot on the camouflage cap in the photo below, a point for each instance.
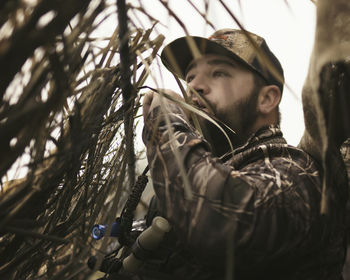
(233, 43)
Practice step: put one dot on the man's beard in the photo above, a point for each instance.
(240, 123)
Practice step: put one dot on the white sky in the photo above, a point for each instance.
(287, 26)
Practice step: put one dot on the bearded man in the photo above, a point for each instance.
(241, 201)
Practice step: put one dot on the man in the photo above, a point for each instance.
(252, 212)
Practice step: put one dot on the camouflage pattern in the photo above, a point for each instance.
(257, 214)
(325, 94)
(237, 42)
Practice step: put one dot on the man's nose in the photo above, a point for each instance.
(199, 85)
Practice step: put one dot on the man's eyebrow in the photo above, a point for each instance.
(192, 65)
(217, 61)
(214, 61)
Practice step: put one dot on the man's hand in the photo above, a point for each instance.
(147, 103)
(152, 100)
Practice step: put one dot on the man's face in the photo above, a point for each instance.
(228, 88)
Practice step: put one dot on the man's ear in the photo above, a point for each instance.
(269, 98)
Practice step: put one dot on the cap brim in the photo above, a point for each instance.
(177, 55)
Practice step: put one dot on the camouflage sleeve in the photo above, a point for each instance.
(256, 209)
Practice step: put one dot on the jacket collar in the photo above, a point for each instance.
(271, 134)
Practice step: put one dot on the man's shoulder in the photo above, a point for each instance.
(274, 169)
(268, 144)
(277, 156)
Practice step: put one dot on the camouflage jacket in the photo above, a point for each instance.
(254, 216)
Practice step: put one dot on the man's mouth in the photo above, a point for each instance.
(202, 107)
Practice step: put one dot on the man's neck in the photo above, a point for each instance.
(220, 143)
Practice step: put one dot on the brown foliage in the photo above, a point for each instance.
(62, 107)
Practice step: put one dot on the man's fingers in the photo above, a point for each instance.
(152, 99)
(147, 99)
(146, 104)
(171, 93)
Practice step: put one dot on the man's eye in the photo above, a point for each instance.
(219, 74)
(189, 78)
